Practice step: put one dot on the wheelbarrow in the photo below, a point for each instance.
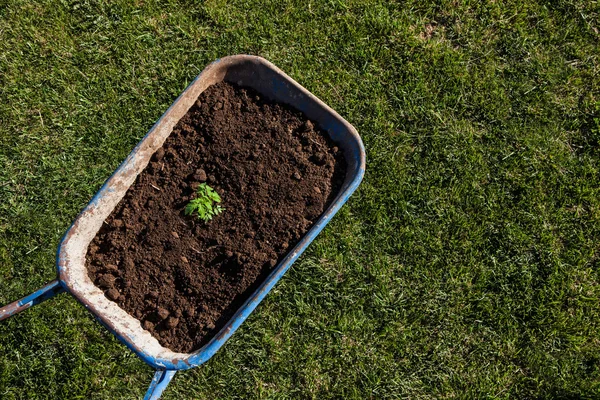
(245, 70)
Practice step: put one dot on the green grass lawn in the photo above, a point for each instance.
(465, 266)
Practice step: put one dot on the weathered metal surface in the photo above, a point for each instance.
(42, 294)
(245, 70)
(159, 384)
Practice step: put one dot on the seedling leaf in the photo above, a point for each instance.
(204, 203)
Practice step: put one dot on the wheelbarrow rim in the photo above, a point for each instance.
(149, 349)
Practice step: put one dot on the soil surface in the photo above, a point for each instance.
(184, 278)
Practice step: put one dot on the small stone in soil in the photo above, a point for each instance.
(113, 294)
(317, 190)
(175, 235)
(160, 153)
(297, 176)
(147, 325)
(163, 313)
(128, 263)
(106, 281)
(190, 312)
(184, 259)
(318, 158)
(200, 175)
(112, 267)
(172, 322)
(210, 325)
(272, 262)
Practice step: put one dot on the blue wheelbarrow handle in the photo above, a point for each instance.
(161, 377)
(44, 293)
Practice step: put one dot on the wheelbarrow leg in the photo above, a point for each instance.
(159, 383)
(44, 293)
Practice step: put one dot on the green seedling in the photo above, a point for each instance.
(205, 203)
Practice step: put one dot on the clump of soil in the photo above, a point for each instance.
(184, 278)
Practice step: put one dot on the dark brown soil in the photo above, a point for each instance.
(184, 278)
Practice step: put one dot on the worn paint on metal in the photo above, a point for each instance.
(159, 384)
(42, 294)
(245, 70)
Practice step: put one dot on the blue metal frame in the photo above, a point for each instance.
(161, 380)
(42, 294)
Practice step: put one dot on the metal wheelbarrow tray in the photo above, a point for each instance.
(251, 71)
